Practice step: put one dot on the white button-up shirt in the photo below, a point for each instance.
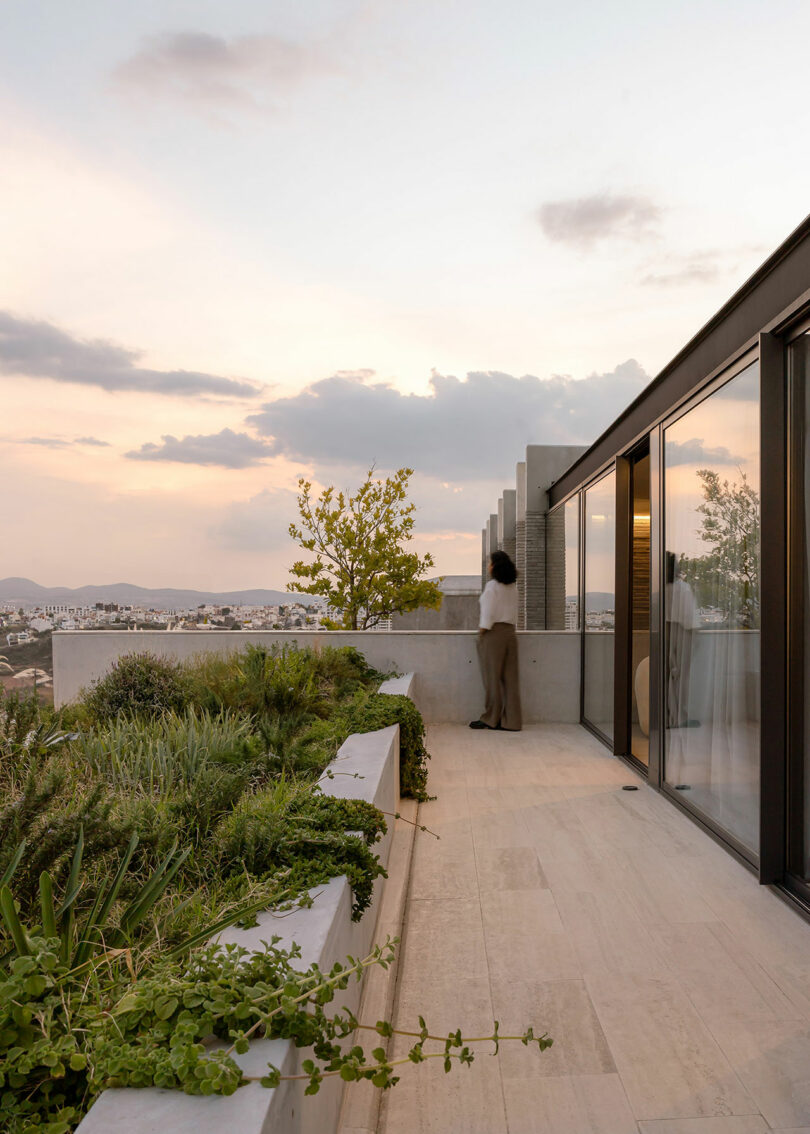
(498, 604)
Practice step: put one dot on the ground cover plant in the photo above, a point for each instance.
(170, 802)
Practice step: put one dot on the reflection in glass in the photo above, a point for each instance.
(562, 567)
(640, 610)
(599, 607)
(712, 643)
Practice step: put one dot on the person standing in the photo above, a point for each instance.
(497, 647)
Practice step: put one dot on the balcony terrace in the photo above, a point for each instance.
(676, 988)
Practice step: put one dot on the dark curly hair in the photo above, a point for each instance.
(503, 569)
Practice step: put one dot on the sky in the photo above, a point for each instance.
(247, 242)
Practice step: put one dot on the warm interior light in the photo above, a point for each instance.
(598, 517)
(641, 516)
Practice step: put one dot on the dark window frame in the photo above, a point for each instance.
(604, 472)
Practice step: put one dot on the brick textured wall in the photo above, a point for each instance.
(520, 561)
(555, 570)
(534, 587)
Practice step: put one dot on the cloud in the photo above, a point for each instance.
(226, 449)
(470, 429)
(259, 524)
(36, 349)
(584, 221)
(695, 273)
(208, 71)
(695, 452)
(61, 442)
(701, 266)
(45, 442)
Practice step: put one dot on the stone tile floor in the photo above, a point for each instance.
(676, 988)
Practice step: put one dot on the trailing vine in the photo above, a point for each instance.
(66, 1035)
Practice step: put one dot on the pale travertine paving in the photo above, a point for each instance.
(676, 988)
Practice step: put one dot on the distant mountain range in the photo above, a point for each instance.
(594, 600)
(25, 593)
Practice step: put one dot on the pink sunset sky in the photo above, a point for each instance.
(243, 242)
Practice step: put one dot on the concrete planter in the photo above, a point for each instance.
(366, 767)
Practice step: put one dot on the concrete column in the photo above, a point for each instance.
(492, 528)
(520, 540)
(555, 570)
(544, 464)
(507, 506)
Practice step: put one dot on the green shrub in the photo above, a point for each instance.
(309, 835)
(138, 684)
(20, 715)
(342, 670)
(279, 682)
(366, 712)
(162, 754)
(256, 680)
(47, 811)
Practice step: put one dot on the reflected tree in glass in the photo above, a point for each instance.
(712, 606)
(729, 572)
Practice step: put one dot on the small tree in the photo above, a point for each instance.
(361, 566)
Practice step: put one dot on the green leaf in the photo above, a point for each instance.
(46, 905)
(7, 874)
(94, 926)
(166, 1006)
(12, 922)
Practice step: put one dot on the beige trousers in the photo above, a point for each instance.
(497, 655)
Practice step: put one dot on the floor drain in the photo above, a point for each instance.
(629, 787)
(682, 787)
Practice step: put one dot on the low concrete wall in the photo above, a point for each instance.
(366, 767)
(448, 683)
(457, 612)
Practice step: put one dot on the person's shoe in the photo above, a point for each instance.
(479, 724)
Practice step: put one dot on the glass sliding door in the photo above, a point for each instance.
(598, 613)
(640, 608)
(562, 567)
(712, 609)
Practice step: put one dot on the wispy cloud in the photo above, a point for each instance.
(226, 449)
(45, 442)
(35, 349)
(464, 429)
(209, 72)
(696, 452)
(702, 266)
(696, 272)
(61, 442)
(583, 222)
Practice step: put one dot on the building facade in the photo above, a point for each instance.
(676, 546)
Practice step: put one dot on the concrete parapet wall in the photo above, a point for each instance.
(447, 682)
(457, 612)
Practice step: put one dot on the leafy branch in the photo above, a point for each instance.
(360, 564)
